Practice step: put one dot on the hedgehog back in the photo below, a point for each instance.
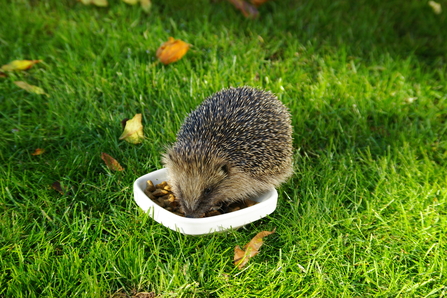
(248, 127)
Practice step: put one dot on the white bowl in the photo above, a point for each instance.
(206, 225)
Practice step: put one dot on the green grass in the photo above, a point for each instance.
(364, 215)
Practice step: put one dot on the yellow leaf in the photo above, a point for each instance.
(100, 3)
(38, 151)
(111, 163)
(30, 88)
(133, 131)
(131, 2)
(242, 256)
(437, 9)
(19, 65)
(146, 5)
(172, 50)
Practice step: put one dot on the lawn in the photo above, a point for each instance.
(364, 215)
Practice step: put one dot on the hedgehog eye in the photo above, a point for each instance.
(207, 191)
(224, 168)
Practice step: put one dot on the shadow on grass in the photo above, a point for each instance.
(365, 28)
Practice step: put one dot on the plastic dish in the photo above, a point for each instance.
(199, 226)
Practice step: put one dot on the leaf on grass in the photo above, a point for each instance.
(133, 131)
(58, 187)
(146, 5)
(123, 122)
(242, 256)
(111, 163)
(437, 9)
(30, 88)
(100, 3)
(145, 295)
(172, 50)
(19, 65)
(248, 10)
(258, 3)
(38, 151)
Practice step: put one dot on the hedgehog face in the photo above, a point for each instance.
(196, 182)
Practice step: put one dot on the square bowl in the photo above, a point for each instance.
(206, 225)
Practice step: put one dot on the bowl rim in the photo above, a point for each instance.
(198, 226)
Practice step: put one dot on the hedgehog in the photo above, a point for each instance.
(236, 145)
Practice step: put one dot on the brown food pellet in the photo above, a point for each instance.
(149, 194)
(161, 185)
(160, 192)
(250, 203)
(171, 198)
(162, 195)
(165, 197)
(150, 187)
(212, 213)
(236, 208)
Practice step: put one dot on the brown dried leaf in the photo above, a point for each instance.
(133, 130)
(258, 3)
(38, 151)
(145, 295)
(239, 259)
(19, 65)
(242, 256)
(172, 50)
(248, 10)
(58, 187)
(111, 163)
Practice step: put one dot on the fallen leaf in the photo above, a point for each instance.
(248, 10)
(172, 50)
(38, 151)
(111, 163)
(100, 3)
(3, 75)
(123, 122)
(258, 3)
(239, 254)
(58, 187)
(242, 256)
(437, 9)
(144, 295)
(131, 2)
(30, 88)
(146, 5)
(19, 65)
(133, 131)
